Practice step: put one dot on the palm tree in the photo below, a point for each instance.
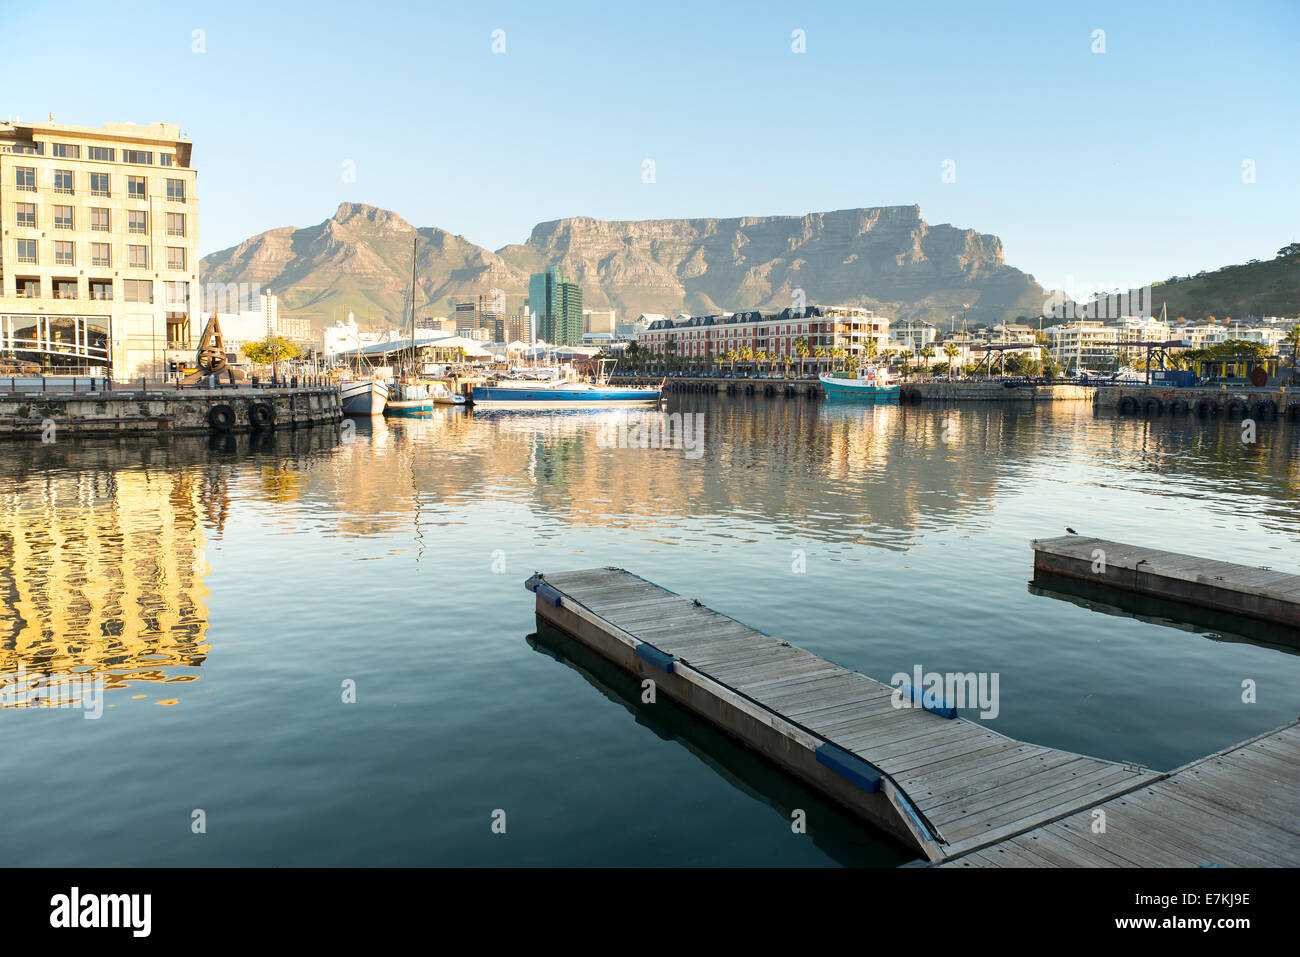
(837, 354)
(927, 354)
(951, 351)
(746, 354)
(1293, 337)
(801, 349)
(731, 357)
(819, 353)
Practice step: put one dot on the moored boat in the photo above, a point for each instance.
(363, 396)
(868, 383)
(444, 396)
(409, 397)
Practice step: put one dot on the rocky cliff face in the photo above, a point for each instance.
(888, 258)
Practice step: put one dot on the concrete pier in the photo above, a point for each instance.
(1207, 401)
(165, 410)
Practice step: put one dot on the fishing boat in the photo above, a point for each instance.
(564, 392)
(409, 397)
(363, 395)
(867, 383)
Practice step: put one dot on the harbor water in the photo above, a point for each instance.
(315, 648)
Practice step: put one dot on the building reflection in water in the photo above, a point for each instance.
(101, 573)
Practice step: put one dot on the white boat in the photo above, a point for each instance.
(444, 396)
(364, 396)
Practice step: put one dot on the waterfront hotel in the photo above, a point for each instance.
(98, 249)
(708, 337)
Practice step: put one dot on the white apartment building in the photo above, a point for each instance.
(709, 337)
(1084, 342)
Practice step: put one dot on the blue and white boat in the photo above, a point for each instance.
(504, 394)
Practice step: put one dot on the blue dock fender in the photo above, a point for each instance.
(849, 766)
(533, 582)
(660, 659)
(548, 594)
(936, 705)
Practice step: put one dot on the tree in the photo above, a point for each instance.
(1290, 249)
(272, 349)
(746, 354)
(951, 351)
(1293, 337)
(801, 349)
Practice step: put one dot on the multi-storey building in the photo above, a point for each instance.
(98, 247)
(1085, 343)
(556, 306)
(710, 337)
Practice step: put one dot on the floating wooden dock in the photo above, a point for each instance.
(1260, 593)
(945, 785)
(1237, 808)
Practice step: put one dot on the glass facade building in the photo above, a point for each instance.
(557, 305)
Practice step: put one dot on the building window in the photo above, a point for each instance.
(135, 187)
(98, 184)
(101, 254)
(102, 154)
(100, 220)
(178, 296)
(137, 257)
(25, 178)
(137, 222)
(35, 149)
(165, 159)
(65, 151)
(175, 257)
(24, 214)
(62, 217)
(64, 288)
(63, 181)
(101, 289)
(137, 290)
(64, 254)
(176, 190)
(176, 224)
(27, 287)
(25, 250)
(142, 157)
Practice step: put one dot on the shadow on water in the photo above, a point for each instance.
(842, 837)
(1108, 600)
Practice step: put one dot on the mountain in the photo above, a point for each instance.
(1255, 288)
(887, 258)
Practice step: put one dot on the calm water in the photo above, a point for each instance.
(226, 590)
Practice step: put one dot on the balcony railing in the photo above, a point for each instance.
(65, 190)
(100, 192)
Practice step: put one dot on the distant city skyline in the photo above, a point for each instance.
(1173, 151)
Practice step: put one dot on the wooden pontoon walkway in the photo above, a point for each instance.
(950, 787)
(943, 784)
(1240, 807)
(1261, 593)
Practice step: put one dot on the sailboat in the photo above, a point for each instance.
(409, 396)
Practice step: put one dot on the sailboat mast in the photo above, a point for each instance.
(414, 243)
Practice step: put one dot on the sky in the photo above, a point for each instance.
(1176, 149)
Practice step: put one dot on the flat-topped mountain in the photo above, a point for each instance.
(887, 258)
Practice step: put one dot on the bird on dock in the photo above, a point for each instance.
(1070, 530)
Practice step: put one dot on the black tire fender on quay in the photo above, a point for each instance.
(1234, 407)
(1127, 404)
(1206, 406)
(261, 415)
(1265, 409)
(1153, 406)
(1178, 407)
(221, 418)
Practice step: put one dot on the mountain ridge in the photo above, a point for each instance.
(884, 257)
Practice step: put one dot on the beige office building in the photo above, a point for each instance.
(98, 249)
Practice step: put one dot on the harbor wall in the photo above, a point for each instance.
(1204, 401)
(180, 412)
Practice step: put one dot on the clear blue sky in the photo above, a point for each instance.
(1112, 168)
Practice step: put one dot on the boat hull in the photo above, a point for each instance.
(363, 397)
(543, 398)
(858, 389)
(409, 408)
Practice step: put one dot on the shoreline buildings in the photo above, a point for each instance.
(707, 337)
(99, 253)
